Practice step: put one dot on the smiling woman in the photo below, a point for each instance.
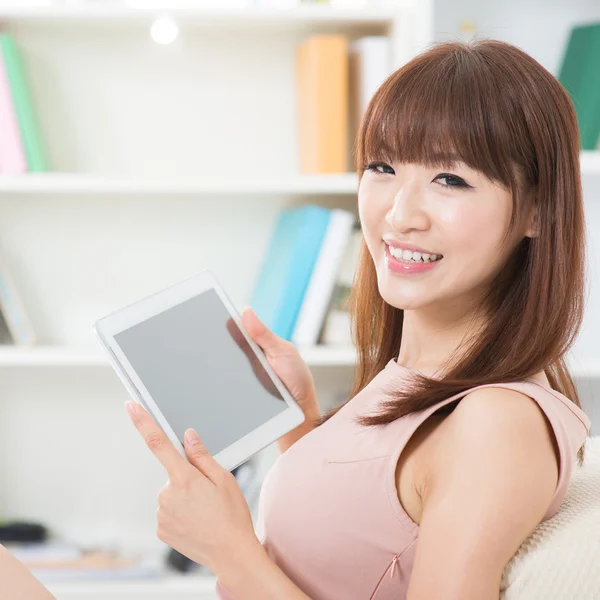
(463, 427)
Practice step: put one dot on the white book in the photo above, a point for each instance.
(13, 310)
(320, 287)
(370, 66)
(337, 328)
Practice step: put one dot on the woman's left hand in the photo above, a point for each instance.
(202, 512)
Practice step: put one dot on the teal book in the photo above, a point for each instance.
(580, 76)
(288, 265)
(26, 118)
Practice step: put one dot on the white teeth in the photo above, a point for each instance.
(408, 256)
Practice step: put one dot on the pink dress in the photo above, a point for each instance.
(332, 519)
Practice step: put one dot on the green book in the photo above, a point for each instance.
(28, 126)
(580, 76)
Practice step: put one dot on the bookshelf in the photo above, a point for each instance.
(92, 185)
(162, 155)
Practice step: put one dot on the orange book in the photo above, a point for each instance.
(322, 104)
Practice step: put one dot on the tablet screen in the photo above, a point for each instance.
(201, 371)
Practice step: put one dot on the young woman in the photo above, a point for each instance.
(464, 423)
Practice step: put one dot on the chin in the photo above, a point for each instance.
(400, 300)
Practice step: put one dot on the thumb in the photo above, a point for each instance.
(199, 456)
(260, 333)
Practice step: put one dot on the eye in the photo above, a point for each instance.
(458, 182)
(379, 167)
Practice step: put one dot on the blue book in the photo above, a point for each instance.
(288, 265)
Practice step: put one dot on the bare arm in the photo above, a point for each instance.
(16, 582)
(252, 575)
(489, 484)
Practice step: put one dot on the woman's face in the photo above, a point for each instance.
(455, 212)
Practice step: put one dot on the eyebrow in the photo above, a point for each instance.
(451, 159)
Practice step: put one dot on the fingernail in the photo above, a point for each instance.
(191, 437)
(130, 406)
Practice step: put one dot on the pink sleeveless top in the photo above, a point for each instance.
(332, 519)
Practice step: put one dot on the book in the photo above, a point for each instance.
(5, 336)
(337, 328)
(322, 104)
(12, 155)
(288, 265)
(320, 288)
(53, 561)
(26, 118)
(13, 311)
(370, 64)
(580, 77)
(40, 552)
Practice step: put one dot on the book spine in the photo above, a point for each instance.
(372, 68)
(309, 235)
(578, 75)
(30, 135)
(12, 155)
(322, 281)
(322, 104)
(337, 328)
(269, 289)
(14, 313)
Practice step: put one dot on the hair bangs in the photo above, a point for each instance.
(438, 116)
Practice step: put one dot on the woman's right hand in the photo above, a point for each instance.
(286, 361)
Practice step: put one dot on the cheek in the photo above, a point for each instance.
(477, 234)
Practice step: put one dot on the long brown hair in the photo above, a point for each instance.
(505, 115)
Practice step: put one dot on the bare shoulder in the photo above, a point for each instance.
(494, 448)
(490, 421)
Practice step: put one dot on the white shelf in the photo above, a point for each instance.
(590, 162)
(71, 183)
(178, 586)
(62, 184)
(251, 16)
(81, 356)
(316, 356)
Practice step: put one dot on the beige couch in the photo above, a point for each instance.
(560, 560)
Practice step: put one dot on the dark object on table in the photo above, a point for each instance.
(22, 531)
(180, 563)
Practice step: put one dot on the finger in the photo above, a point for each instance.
(271, 344)
(156, 440)
(200, 457)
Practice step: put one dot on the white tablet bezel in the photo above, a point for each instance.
(107, 327)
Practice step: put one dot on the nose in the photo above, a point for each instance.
(407, 210)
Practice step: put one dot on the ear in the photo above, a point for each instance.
(532, 228)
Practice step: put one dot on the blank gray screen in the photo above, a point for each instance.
(201, 371)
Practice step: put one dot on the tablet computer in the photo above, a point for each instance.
(184, 355)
